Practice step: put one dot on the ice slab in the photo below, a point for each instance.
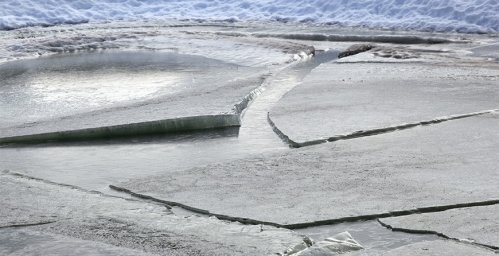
(19, 242)
(450, 163)
(487, 50)
(153, 155)
(69, 84)
(432, 248)
(474, 224)
(341, 99)
(148, 227)
(82, 92)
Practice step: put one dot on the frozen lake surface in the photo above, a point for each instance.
(122, 73)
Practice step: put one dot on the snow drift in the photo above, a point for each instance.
(469, 16)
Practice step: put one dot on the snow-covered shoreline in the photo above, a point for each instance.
(478, 16)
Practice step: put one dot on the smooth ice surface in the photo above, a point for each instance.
(130, 224)
(475, 224)
(343, 98)
(43, 88)
(452, 15)
(490, 51)
(19, 242)
(449, 163)
(59, 94)
(432, 248)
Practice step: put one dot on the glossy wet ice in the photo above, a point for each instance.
(95, 165)
(45, 88)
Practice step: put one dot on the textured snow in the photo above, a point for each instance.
(431, 15)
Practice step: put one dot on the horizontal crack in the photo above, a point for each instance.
(173, 125)
(313, 223)
(27, 224)
(399, 39)
(430, 232)
(390, 214)
(359, 134)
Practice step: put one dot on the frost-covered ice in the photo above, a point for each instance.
(449, 15)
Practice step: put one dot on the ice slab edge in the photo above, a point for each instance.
(301, 225)
(363, 133)
(431, 232)
(394, 39)
(172, 125)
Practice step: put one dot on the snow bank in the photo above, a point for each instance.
(433, 15)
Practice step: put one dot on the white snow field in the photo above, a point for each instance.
(467, 16)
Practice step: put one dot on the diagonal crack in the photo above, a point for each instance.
(196, 210)
(28, 224)
(362, 133)
(308, 224)
(24, 176)
(430, 232)
(396, 39)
